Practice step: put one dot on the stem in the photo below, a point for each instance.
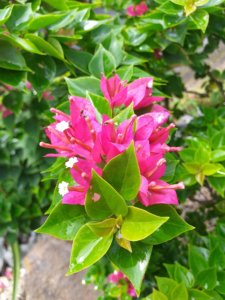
(16, 268)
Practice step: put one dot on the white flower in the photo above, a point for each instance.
(71, 162)
(63, 188)
(150, 84)
(61, 126)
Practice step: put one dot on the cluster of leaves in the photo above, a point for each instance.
(204, 155)
(198, 272)
(23, 198)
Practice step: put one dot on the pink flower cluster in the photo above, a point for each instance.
(137, 10)
(118, 277)
(88, 144)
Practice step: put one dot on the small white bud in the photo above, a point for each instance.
(71, 162)
(63, 188)
(61, 126)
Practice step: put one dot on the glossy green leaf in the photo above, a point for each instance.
(218, 184)
(198, 258)
(44, 70)
(42, 21)
(218, 140)
(61, 5)
(11, 58)
(172, 228)
(124, 114)
(19, 17)
(102, 200)
(202, 155)
(114, 44)
(87, 249)
(125, 180)
(201, 19)
(125, 73)
(12, 77)
(134, 264)
(180, 274)
(138, 224)
(221, 282)
(80, 86)
(210, 169)
(64, 221)
(218, 155)
(101, 105)
(44, 46)
(180, 292)
(103, 228)
(79, 59)
(207, 278)
(102, 62)
(196, 294)
(21, 43)
(5, 14)
(156, 295)
(166, 285)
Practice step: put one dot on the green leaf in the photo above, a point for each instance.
(218, 155)
(21, 43)
(64, 221)
(12, 77)
(102, 62)
(44, 46)
(79, 59)
(196, 294)
(221, 282)
(87, 249)
(103, 228)
(11, 58)
(180, 274)
(207, 278)
(61, 5)
(210, 169)
(211, 3)
(125, 114)
(102, 200)
(125, 180)
(42, 21)
(218, 140)
(5, 14)
(172, 228)
(166, 285)
(44, 71)
(125, 73)
(114, 44)
(80, 86)
(217, 257)
(218, 184)
(156, 295)
(201, 19)
(101, 105)
(193, 168)
(138, 224)
(198, 258)
(202, 155)
(19, 17)
(133, 265)
(180, 292)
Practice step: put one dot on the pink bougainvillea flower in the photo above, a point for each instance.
(88, 144)
(47, 95)
(118, 276)
(139, 92)
(28, 85)
(137, 10)
(158, 192)
(114, 90)
(5, 111)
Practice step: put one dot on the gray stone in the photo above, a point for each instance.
(46, 265)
